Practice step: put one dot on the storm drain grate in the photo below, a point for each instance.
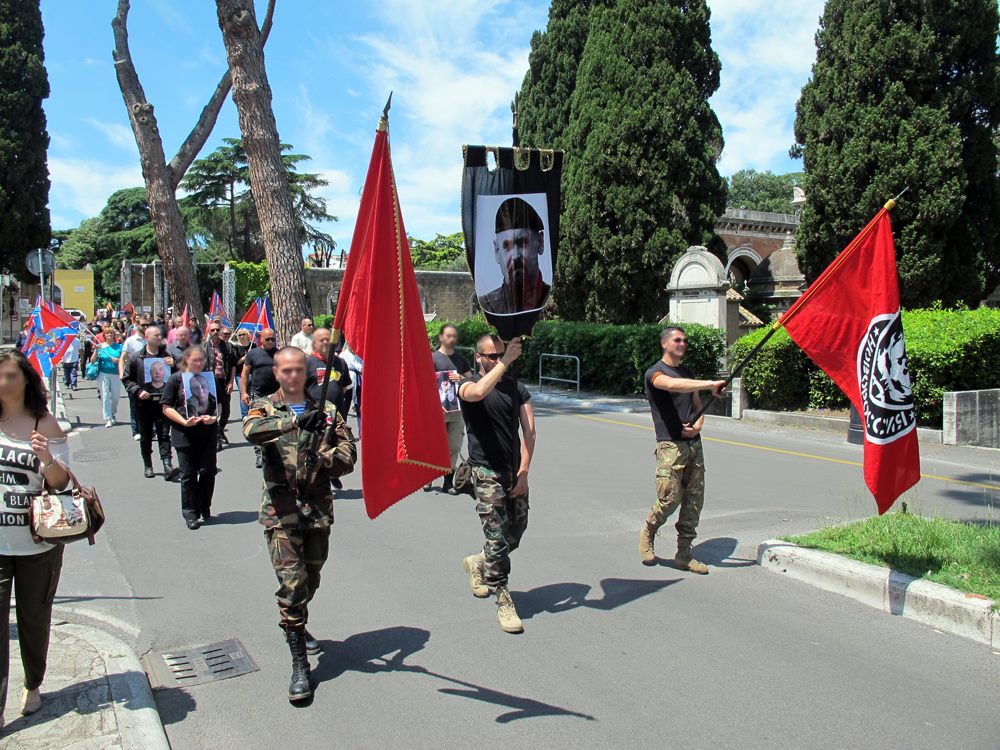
(196, 666)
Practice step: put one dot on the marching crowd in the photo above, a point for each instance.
(179, 383)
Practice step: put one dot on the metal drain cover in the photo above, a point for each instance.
(196, 666)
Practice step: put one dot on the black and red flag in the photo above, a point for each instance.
(510, 217)
(404, 445)
(848, 321)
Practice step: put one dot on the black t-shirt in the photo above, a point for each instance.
(492, 426)
(670, 410)
(260, 361)
(445, 362)
(185, 437)
(340, 381)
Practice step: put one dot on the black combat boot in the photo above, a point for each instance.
(300, 688)
(312, 645)
(449, 484)
(170, 472)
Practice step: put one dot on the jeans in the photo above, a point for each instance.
(151, 420)
(69, 374)
(132, 418)
(197, 465)
(33, 580)
(244, 408)
(111, 390)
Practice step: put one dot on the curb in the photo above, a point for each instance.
(131, 696)
(931, 604)
(61, 416)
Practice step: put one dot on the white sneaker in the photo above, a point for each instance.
(137, 437)
(31, 701)
(109, 423)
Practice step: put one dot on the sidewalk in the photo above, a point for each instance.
(95, 696)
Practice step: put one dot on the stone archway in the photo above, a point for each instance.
(741, 265)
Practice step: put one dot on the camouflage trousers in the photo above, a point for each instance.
(680, 481)
(297, 556)
(504, 520)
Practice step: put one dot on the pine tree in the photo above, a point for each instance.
(24, 176)
(544, 99)
(905, 93)
(642, 145)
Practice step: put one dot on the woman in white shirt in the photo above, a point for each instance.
(31, 449)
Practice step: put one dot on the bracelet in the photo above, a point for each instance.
(47, 465)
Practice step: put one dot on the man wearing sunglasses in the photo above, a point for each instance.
(221, 360)
(672, 392)
(257, 378)
(494, 408)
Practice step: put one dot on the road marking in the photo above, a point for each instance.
(797, 454)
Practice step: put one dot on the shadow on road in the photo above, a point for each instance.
(231, 517)
(348, 495)
(563, 597)
(174, 704)
(386, 650)
(717, 553)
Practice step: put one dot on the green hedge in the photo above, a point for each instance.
(612, 358)
(948, 350)
(252, 281)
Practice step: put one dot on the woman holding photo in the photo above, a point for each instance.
(107, 357)
(31, 436)
(186, 400)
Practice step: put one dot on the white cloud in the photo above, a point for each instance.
(767, 51)
(83, 185)
(118, 134)
(454, 65)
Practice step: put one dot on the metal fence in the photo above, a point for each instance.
(542, 376)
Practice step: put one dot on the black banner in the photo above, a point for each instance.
(510, 216)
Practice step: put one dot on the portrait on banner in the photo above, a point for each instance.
(200, 399)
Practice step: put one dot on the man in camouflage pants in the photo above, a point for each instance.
(297, 506)
(672, 392)
(494, 408)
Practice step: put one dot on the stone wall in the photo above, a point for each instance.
(972, 418)
(447, 294)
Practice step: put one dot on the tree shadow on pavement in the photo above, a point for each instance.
(386, 651)
(563, 597)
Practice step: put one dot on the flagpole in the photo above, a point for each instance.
(813, 288)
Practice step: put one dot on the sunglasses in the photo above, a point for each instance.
(680, 341)
(269, 338)
(213, 330)
(492, 357)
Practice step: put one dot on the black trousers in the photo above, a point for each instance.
(33, 579)
(225, 401)
(151, 421)
(197, 464)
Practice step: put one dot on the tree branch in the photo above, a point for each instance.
(199, 134)
(124, 68)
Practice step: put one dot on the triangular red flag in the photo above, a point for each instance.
(186, 318)
(403, 440)
(848, 322)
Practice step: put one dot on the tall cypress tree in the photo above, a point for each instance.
(642, 144)
(24, 176)
(544, 101)
(906, 93)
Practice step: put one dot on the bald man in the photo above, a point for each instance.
(303, 339)
(257, 378)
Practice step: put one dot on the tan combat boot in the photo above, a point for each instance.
(506, 613)
(473, 565)
(646, 538)
(684, 561)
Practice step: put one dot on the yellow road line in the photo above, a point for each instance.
(798, 454)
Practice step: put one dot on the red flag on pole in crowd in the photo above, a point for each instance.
(403, 441)
(186, 318)
(848, 322)
(251, 322)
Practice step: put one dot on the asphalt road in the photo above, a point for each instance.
(614, 654)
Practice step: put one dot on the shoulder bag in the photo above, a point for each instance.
(67, 516)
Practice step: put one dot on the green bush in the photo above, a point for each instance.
(612, 358)
(323, 320)
(252, 280)
(948, 350)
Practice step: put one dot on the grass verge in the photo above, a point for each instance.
(964, 556)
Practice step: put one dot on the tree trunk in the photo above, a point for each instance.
(162, 179)
(268, 180)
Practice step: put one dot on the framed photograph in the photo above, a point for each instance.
(448, 391)
(200, 398)
(513, 253)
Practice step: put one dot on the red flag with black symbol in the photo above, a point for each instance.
(403, 440)
(848, 322)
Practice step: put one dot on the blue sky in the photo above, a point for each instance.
(454, 65)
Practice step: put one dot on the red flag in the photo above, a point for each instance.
(186, 318)
(848, 322)
(403, 440)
